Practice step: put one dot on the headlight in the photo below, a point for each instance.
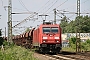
(56, 37)
(44, 37)
(57, 41)
(44, 41)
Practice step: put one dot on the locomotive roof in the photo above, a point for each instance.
(47, 25)
(50, 25)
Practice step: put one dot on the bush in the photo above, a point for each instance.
(85, 45)
(88, 41)
(16, 53)
(72, 42)
(5, 43)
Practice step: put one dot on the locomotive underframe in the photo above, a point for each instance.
(53, 48)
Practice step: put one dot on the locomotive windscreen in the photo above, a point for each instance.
(50, 29)
(54, 29)
(46, 29)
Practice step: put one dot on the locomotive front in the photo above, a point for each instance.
(50, 38)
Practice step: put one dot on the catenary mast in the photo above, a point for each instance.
(78, 43)
(9, 21)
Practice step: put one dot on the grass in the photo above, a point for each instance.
(16, 53)
(68, 49)
(74, 50)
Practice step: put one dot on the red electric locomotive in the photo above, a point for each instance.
(47, 37)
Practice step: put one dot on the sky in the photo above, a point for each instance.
(42, 7)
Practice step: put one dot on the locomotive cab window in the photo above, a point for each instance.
(54, 30)
(46, 30)
(50, 29)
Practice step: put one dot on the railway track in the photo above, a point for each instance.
(58, 57)
(84, 54)
(81, 56)
(63, 57)
(66, 56)
(51, 56)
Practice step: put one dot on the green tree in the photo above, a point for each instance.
(71, 27)
(85, 24)
(81, 23)
(63, 24)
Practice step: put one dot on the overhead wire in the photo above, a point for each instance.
(71, 5)
(47, 4)
(64, 15)
(27, 17)
(54, 3)
(51, 6)
(86, 9)
(21, 2)
(62, 3)
(85, 2)
(74, 5)
(57, 6)
(44, 5)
